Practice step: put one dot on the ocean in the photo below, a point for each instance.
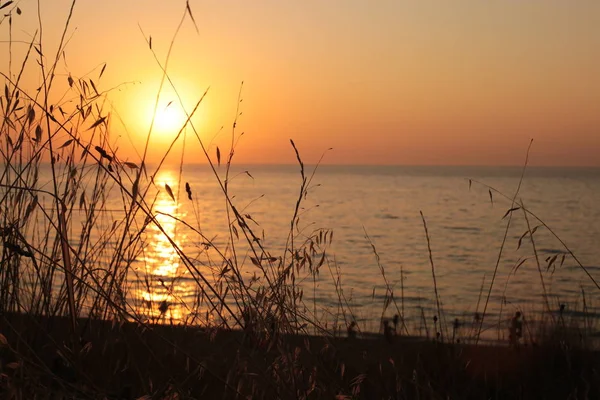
(379, 244)
(377, 261)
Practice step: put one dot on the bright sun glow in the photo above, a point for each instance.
(169, 119)
(169, 116)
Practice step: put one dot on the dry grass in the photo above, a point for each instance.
(131, 360)
(69, 329)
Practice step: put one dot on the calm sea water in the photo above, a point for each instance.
(466, 229)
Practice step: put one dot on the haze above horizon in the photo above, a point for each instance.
(392, 82)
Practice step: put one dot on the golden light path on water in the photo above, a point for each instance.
(163, 288)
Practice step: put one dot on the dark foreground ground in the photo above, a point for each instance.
(38, 359)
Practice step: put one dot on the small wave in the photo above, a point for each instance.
(463, 228)
(459, 257)
(579, 314)
(388, 216)
(551, 251)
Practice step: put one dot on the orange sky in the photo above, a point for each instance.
(386, 82)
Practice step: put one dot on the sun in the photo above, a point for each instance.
(165, 118)
(169, 119)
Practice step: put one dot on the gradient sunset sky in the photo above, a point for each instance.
(382, 82)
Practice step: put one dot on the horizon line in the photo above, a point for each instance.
(291, 164)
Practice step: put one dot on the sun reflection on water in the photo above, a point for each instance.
(165, 286)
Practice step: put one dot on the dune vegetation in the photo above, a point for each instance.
(68, 328)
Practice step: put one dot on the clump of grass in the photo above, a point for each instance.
(72, 326)
(53, 267)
